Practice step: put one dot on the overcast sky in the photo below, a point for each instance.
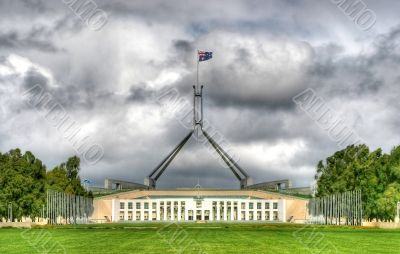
(265, 53)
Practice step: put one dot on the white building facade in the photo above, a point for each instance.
(198, 209)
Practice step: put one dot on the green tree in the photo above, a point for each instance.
(65, 177)
(375, 173)
(22, 184)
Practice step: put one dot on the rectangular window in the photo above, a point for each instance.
(130, 206)
(122, 205)
(146, 205)
(266, 205)
(275, 215)
(137, 205)
(267, 216)
(250, 205)
(154, 206)
(258, 205)
(275, 205)
(243, 205)
(251, 215)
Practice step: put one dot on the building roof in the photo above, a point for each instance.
(216, 193)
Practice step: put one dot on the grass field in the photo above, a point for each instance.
(199, 238)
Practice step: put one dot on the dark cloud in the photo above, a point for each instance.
(13, 40)
(265, 52)
(139, 93)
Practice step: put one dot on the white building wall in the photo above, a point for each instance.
(115, 210)
(206, 206)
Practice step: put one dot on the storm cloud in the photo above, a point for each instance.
(264, 54)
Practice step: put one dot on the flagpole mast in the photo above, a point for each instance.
(197, 83)
(195, 91)
(196, 94)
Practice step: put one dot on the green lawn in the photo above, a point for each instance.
(199, 238)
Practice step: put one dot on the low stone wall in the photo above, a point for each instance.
(387, 225)
(16, 224)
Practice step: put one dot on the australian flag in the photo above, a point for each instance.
(204, 56)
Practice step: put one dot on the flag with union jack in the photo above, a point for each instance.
(204, 55)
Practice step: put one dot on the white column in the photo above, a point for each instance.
(225, 210)
(172, 210)
(239, 209)
(255, 211)
(271, 211)
(165, 210)
(263, 210)
(133, 210)
(232, 209)
(142, 211)
(126, 211)
(150, 210)
(186, 210)
(115, 210)
(282, 210)
(158, 210)
(179, 211)
(218, 211)
(247, 210)
(211, 218)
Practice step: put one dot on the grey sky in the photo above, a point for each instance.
(265, 52)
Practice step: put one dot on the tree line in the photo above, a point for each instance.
(375, 173)
(24, 182)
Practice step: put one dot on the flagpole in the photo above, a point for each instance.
(197, 84)
(195, 91)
